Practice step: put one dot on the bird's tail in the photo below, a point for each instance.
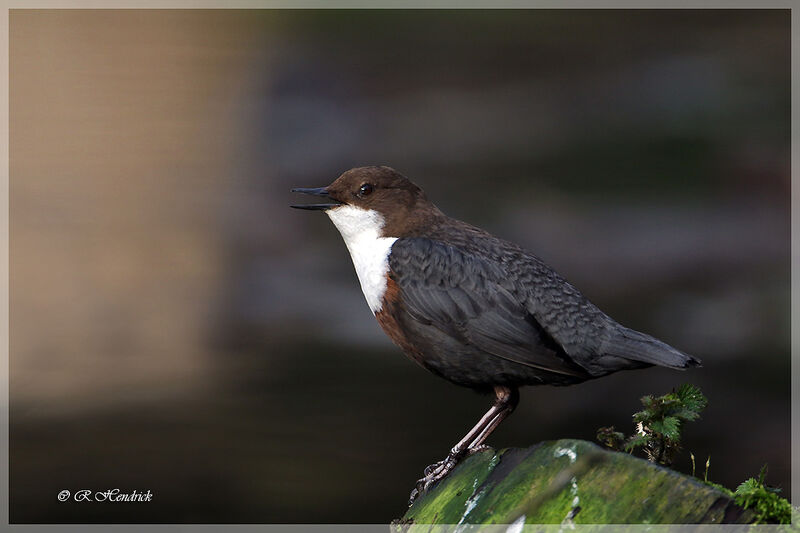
(635, 346)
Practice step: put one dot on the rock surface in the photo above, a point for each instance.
(570, 482)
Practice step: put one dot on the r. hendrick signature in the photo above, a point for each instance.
(108, 495)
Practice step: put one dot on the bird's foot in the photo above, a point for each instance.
(435, 473)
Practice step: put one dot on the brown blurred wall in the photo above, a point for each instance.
(120, 152)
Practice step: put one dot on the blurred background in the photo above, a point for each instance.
(175, 327)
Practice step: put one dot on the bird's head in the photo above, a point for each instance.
(368, 199)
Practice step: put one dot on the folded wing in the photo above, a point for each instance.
(518, 309)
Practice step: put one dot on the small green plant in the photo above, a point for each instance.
(658, 435)
(764, 501)
(658, 425)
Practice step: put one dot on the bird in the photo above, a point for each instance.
(474, 309)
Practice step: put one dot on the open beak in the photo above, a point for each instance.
(320, 191)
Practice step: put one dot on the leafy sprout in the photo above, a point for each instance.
(658, 425)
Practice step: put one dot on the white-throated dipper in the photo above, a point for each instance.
(474, 309)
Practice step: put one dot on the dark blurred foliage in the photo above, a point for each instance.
(175, 327)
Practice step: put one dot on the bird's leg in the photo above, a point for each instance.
(511, 400)
(506, 399)
(457, 451)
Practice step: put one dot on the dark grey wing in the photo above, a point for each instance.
(467, 297)
(588, 336)
(512, 305)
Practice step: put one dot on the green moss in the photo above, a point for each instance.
(570, 481)
(719, 487)
(768, 507)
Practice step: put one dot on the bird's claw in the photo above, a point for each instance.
(433, 474)
(431, 468)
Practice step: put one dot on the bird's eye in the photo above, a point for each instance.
(365, 190)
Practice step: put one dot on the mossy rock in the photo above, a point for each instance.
(569, 482)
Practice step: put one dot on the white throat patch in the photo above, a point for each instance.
(361, 231)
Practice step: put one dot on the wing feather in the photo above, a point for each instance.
(463, 295)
